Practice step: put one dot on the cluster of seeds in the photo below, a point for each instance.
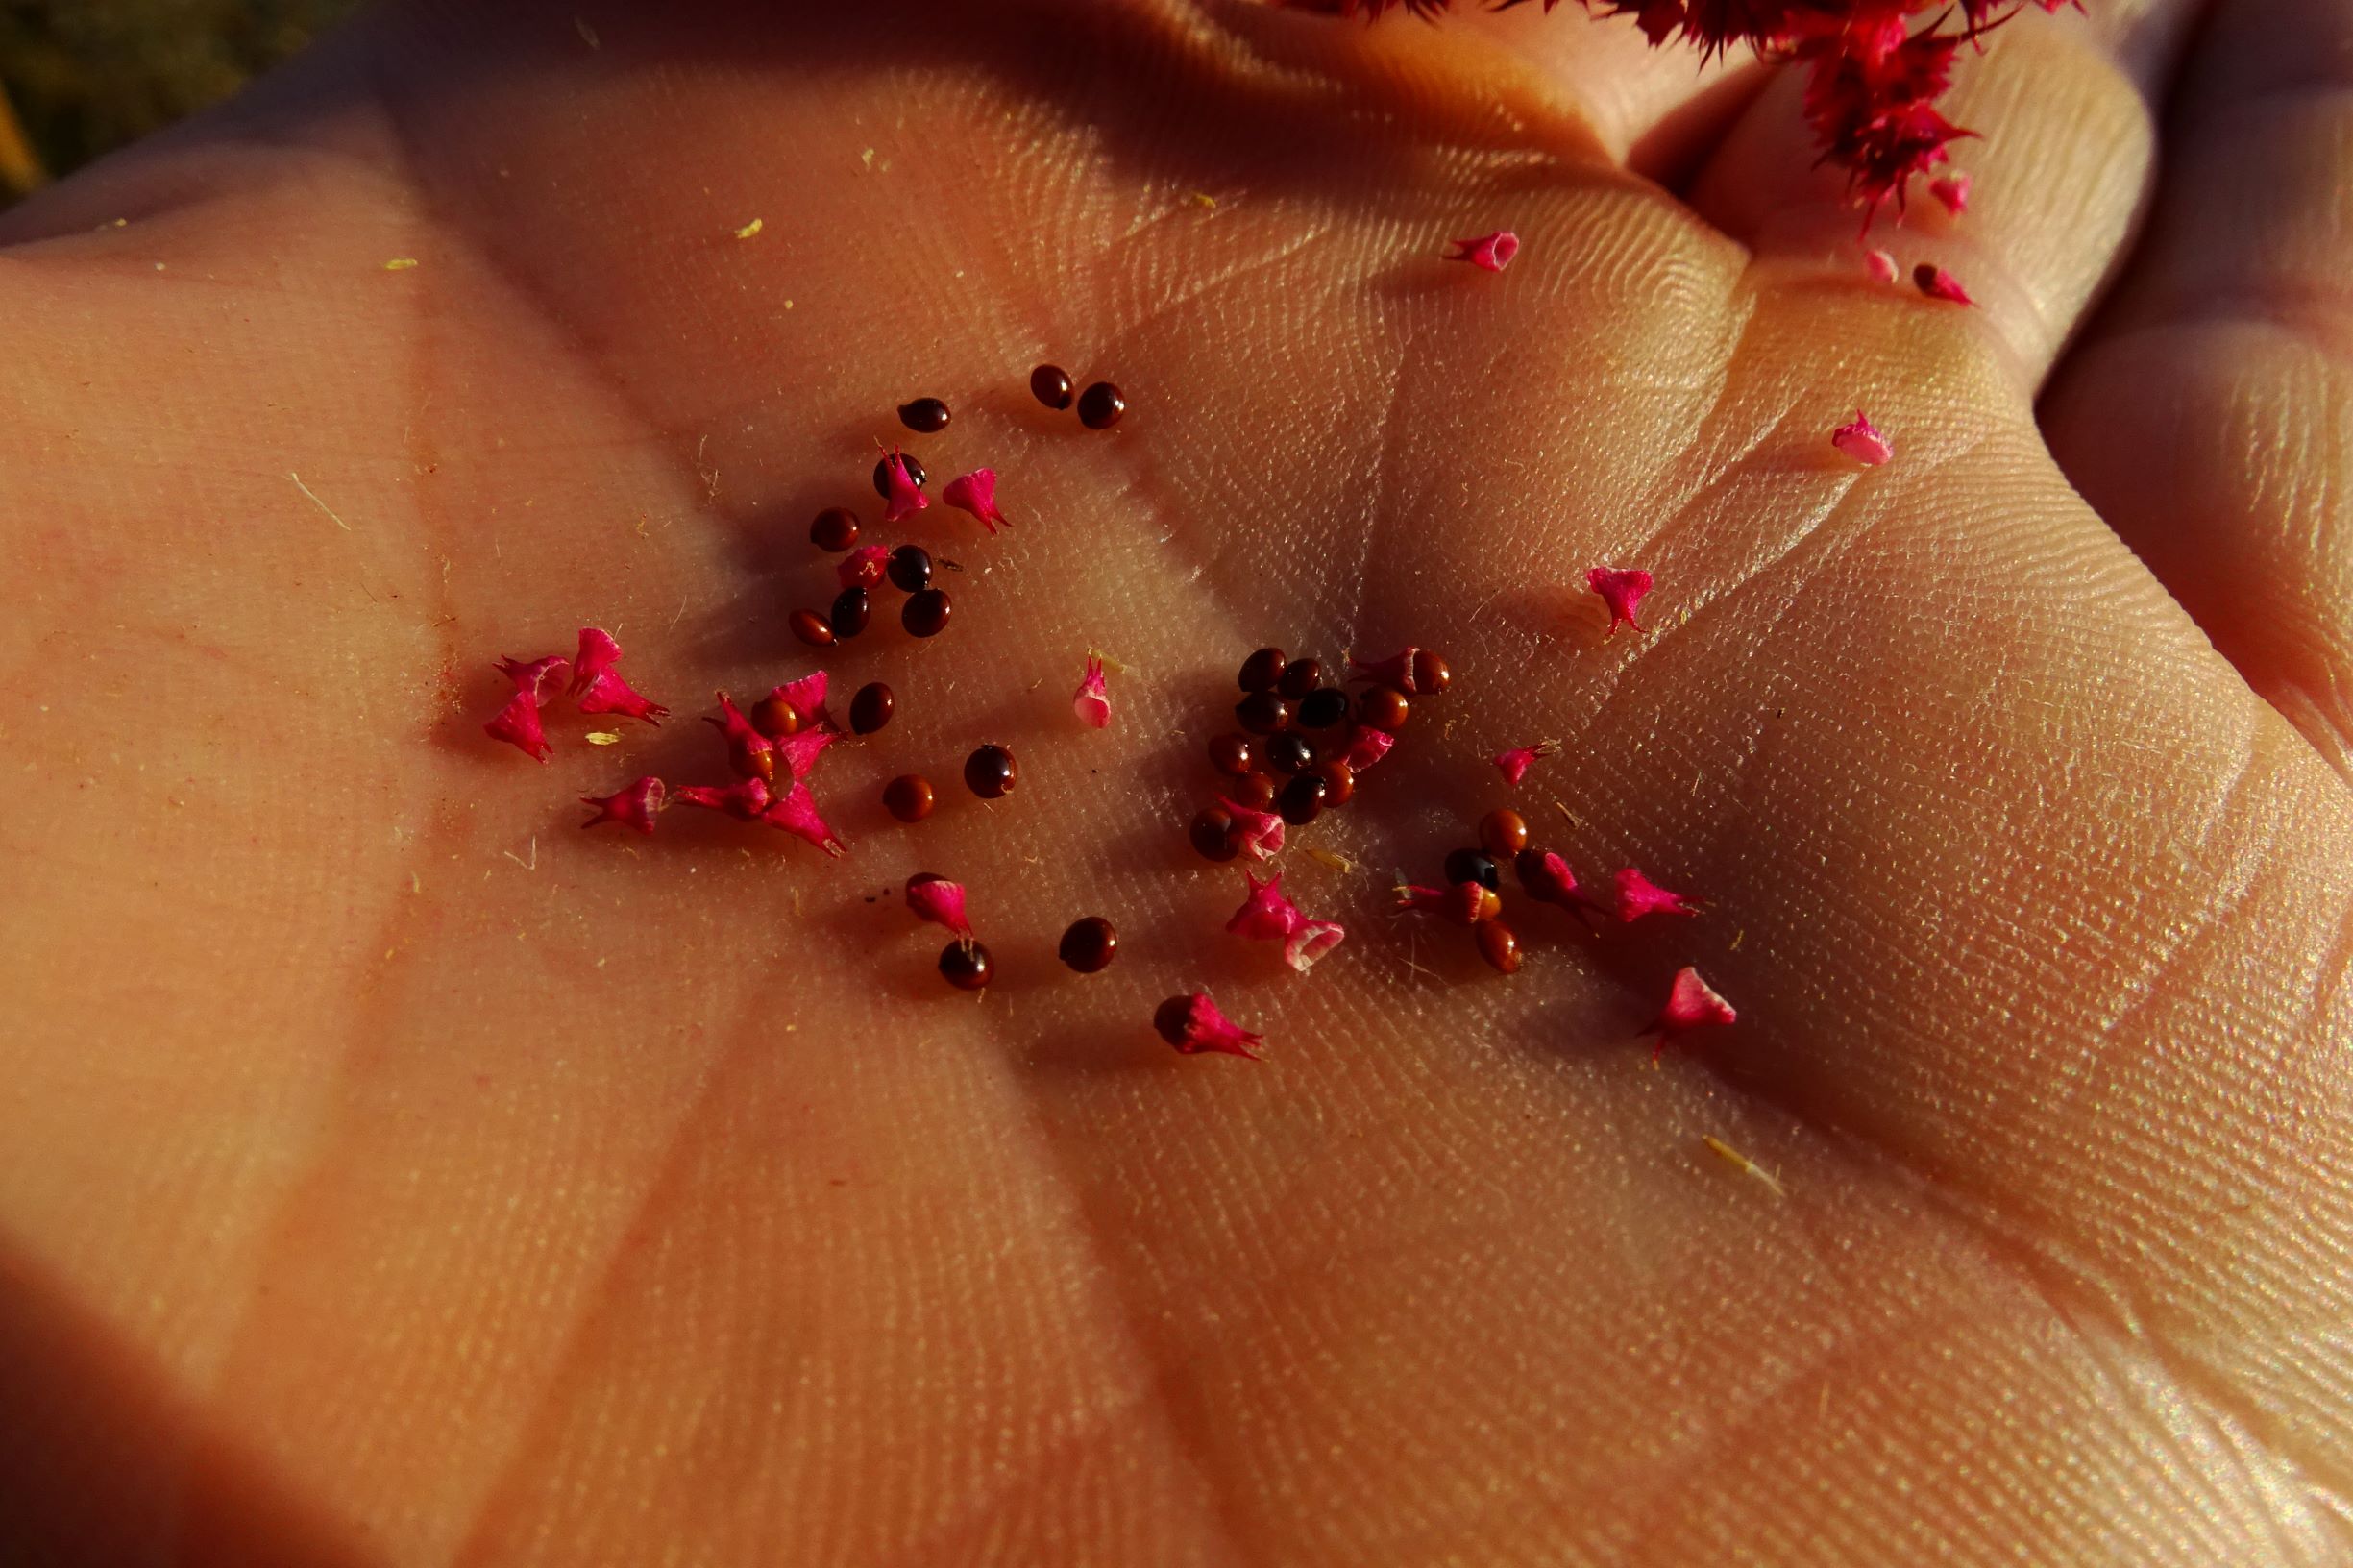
(1099, 408)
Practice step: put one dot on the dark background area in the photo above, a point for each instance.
(80, 78)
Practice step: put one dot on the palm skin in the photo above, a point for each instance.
(397, 1174)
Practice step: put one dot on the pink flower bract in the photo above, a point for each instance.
(806, 697)
(802, 748)
(1952, 191)
(1516, 761)
(599, 687)
(744, 800)
(1489, 253)
(1397, 669)
(518, 723)
(976, 493)
(1880, 266)
(796, 812)
(1367, 746)
(1092, 702)
(1620, 589)
(937, 899)
(1691, 1004)
(1638, 895)
(906, 498)
(1194, 1025)
(862, 567)
(750, 753)
(1266, 915)
(1466, 902)
(1261, 831)
(1939, 285)
(1861, 440)
(635, 807)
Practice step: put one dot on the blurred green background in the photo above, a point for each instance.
(80, 78)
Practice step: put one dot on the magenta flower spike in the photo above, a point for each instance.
(598, 687)
(636, 806)
(1093, 701)
(1489, 253)
(1622, 590)
(976, 493)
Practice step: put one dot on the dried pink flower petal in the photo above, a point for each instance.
(1620, 589)
(1491, 253)
(1691, 1004)
(796, 812)
(1192, 1024)
(750, 753)
(598, 685)
(1266, 915)
(1092, 702)
(1952, 189)
(1880, 266)
(802, 748)
(1939, 285)
(518, 723)
(1638, 895)
(538, 679)
(1516, 761)
(1466, 902)
(862, 567)
(1261, 831)
(1546, 877)
(806, 697)
(1862, 441)
(635, 807)
(976, 493)
(1399, 670)
(937, 899)
(1367, 746)
(906, 498)
(743, 800)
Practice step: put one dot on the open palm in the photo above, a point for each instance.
(395, 1173)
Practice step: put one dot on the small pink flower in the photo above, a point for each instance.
(1516, 761)
(750, 753)
(635, 807)
(796, 812)
(1622, 590)
(518, 723)
(1466, 902)
(1939, 285)
(1266, 915)
(1261, 831)
(743, 800)
(862, 567)
(1880, 266)
(1093, 703)
(1691, 1004)
(1367, 746)
(976, 493)
(538, 679)
(1952, 189)
(906, 497)
(806, 697)
(599, 686)
(1638, 895)
(1492, 252)
(1192, 1024)
(1862, 441)
(1415, 672)
(802, 748)
(937, 899)
(1546, 877)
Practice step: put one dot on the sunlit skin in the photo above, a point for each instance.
(396, 1172)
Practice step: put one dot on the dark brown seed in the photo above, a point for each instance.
(990, 772)
(1536, 879)
(1233, 755)
(1089, 944)
(924, 614)
(773, 716)
(851, 610)
(1050, 384)
(1263, 713)
(836, 528)
(1382, 707)
(1322, 709)
(1257, 791)
(1430, 673)
(908, 798)
(1212, 834)
(926, 416)
(1101, 406)
(910, 568)
(871, 709)
(1499, 947)
(1288, 754)
(1470, 866)
(1340, 781)
(882, 474)
(812, 628)
(1503, 833)
(1301, 799)
(1261, 671)
(1170, 1019)
(1301, 676)
(967, 963)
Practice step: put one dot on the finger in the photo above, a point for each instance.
(2209, 414)
(2059, 168)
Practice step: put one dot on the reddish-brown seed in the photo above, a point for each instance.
(1287, 752)
(812, 628)
(1212, 834)
(851, 611)
(871, 709)
(1382, 707)
(1261, 671)
(1089, 944)
(835, 529)
(1233, 755)
(1503, 833)
(924, 614)
(1499, 947)
(1050, 384)
(967, 964)
(908, 798)
(926, 416)
(991, 772)
(1340, 781)
(1257, 791)
(1430, 673)
(1263, 713)
(910, 568)
(1301, 799)
(1101, 406)
(775, 718)
(1301, 676)
(1171, 1019)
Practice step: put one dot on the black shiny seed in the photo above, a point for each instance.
(1289, 752)
(967, 964)
(910, 568)
(924, 614)
(1473, 866)
(926, 416)
(990, 772)
(1050, 384)
(1301, 799)
(882, 474)
(1101, 406)
(851, 611)
(1263, 713)
(1089, 944)
(1321, 709)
